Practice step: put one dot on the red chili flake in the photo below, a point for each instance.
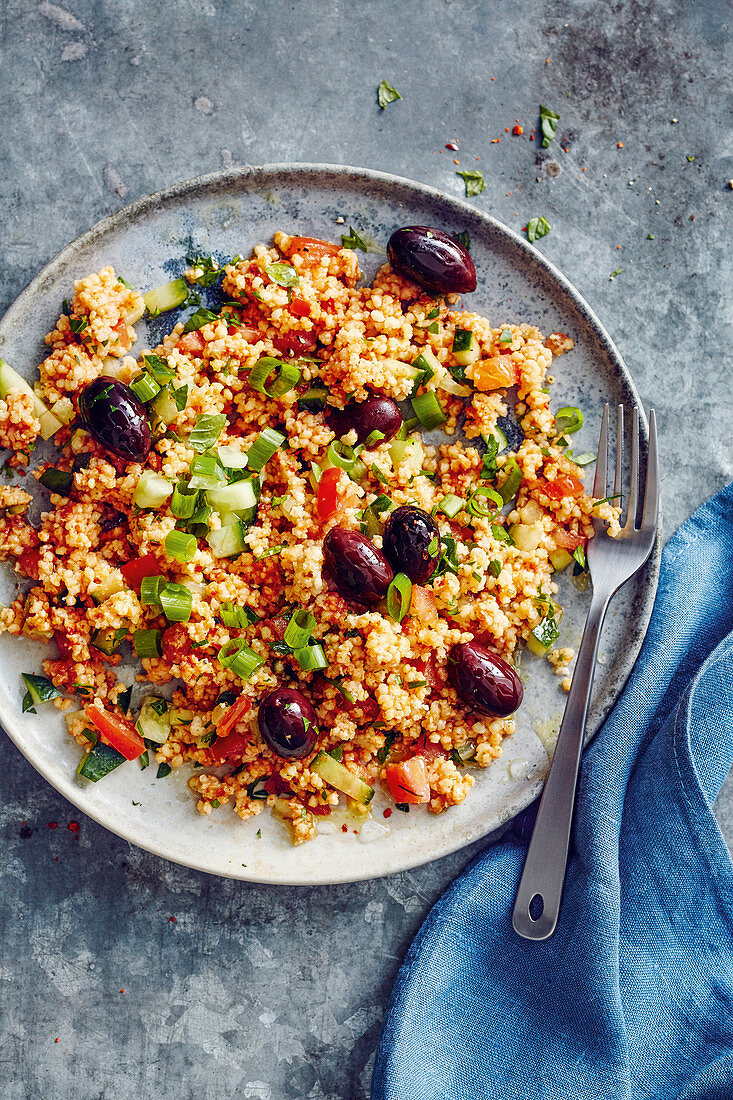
(493, 78)
(52, 825)
(173, 920)
(456, 161)
(517, 130)
(506, 129)
(122, 991)
(344, 828)
(57, 1040)
(531, 137)
(495, 141)
(452, 145)
(355, 832)
(387, 812)
(73, 827)
(524, 229)
(619, 144)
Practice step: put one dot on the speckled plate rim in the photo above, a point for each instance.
(253, 178)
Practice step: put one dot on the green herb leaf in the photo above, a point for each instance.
(399, 597)
(494, 567)
(548, 122)
(197, 320)
(282, 274)
(463, 238)
(210, 270)
(206, 431)
(489, 468)
(163, 771)
(474, 182)
(615, 273)
(353, 240)
(386, 94)
(536, 228)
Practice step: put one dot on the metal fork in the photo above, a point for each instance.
(611, 563)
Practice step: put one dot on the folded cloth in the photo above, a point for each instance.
(633, 995)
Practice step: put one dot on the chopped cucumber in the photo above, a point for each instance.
(546, 633)
(154, 721)
(115, 582)
(164, 406)
(314, 398)
(108, 641)
(560, 559)
(237, 499)
(526, 536)
(152, 490)
(465, 347)
(451, 505)
(426, 361)
(99, 761)
(11, 380)
(134, 314)
(227, 541)
(63, 410)
(165, 297)
(231, 457)
(338, 776)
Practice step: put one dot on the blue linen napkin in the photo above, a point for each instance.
(633, 996)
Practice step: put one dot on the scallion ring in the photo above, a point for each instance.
(263, 448)
(180, 546)
(569, 419)
(513, 480)
(477, 503)
(176, 602)
(311, 658)
(286, 376)
(237, 656)
(183, 504)
(399, 597)
(299, 629)
(146, 643)
(341, 455)
(428, 410)
(150, 590)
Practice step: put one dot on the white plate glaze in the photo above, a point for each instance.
(227, 213)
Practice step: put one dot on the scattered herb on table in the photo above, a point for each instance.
(386, 94)
(353, 240)
(615, 273)
(548, 121)
(536, 228)
(473, 181)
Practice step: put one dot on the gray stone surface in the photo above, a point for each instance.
(266, 992)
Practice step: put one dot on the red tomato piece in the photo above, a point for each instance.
(429, 749)
(28, 563)
(230, 749)
(408, 780)
(192, 342)
(134, 571)
(300, 308)
(328, 499)
(296, 343)
(116, 731)
(423, 605)
(564, 485)
(311, 248)
(569, 540)
(236, 711)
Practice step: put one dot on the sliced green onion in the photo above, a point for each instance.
(451, 505)
(180, 546)
(373, 438)
(206, 431)
(314, 398)
(158, 367)
(228, 540)
(299, 629)
(477, 506)
(428, 410)
(145, 387)
(58, 481)
(341, 455)
(146, 643)
(234, 616)
(152, 490)
(183, 504)
(585, 459)
(237, 655)
(264, 448)
(399, 597)
(231, 457)
(40, 690)
(150, 590)
(569, 419)
(311, 658)
(514, 479)
(206, 473)
(286, 376)
(176, 601)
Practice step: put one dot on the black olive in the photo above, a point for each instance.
(411, 543)
(287, 721)
(115, 417)
(432, 259)
(376, 414)
(360, 571)
(483, 680)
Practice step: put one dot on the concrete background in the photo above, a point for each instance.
(125, 976)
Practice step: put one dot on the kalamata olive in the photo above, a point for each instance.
(432, 259)
(360, 571)
(115, 417)
(376, 414)
(411, 543)
(483, 680)
(287, 722)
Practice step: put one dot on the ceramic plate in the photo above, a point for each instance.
(225, 214)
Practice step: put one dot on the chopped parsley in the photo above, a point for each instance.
(463, 238)
(548, 122)
(615, 273)
(197, 320)
(209, 268)
(163, 771)
(353, 240)
(473, 181)
(386, 94)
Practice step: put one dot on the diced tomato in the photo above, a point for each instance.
(296, 343)
(564, 485)
(423, 605)
(320, 811)
(328, 498)
(408, 780)
(569, 540)
(134, 571)
(64, 644)
(175, 643)
(192, 342)
(311, 248)
(28, 563)
(275, 785)
(236, 711)
(116, 731)
(230, 749)
(429, 749)
(300, 307)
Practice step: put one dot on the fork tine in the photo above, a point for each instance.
(619, 456)
(651, 489)
(630, 524)
(599, 482)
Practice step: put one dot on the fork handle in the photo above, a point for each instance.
(547, 856)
